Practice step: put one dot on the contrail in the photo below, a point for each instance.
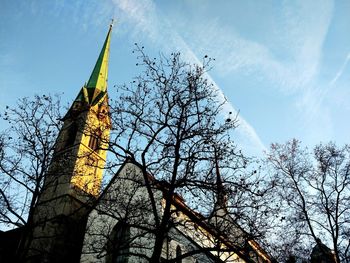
(144, 17)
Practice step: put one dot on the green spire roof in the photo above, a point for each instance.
(96, 87)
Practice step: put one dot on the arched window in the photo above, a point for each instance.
(71, 134)
(95, 140)
(118, 244)
(178, 254)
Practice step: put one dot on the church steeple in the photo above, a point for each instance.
(95, 89)
(90, 111)
(85, 133)
(219, 212)
(74, 177)
(221, 198)
(98, 78)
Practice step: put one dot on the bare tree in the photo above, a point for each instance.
(25, 154)
(314, 190)
(169, 122)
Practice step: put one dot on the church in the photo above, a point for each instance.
(74, 221)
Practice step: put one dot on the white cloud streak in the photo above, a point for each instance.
(289, 63)
(143, 15)
(300, 38)
(340, 71)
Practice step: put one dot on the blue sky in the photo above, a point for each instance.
(283, 64)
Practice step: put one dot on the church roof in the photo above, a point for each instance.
(321, 251)
(198, 218)
(202, 221)
(95, 89)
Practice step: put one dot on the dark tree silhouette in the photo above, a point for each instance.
(25, 154)
(169, 121)
(314, 191)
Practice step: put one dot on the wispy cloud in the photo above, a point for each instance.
(289, 62)
(289, 65)
(315, 97)
(340, 71)
(317, 102)
(145, 18)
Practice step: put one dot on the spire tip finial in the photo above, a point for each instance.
(112, 23)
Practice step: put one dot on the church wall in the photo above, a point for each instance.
(88, 170)
(200, 236)
(124, 200)
(180, 239)
(73, 179)
(127, 199)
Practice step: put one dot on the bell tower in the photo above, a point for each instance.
(74, 176)
(82, 143)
